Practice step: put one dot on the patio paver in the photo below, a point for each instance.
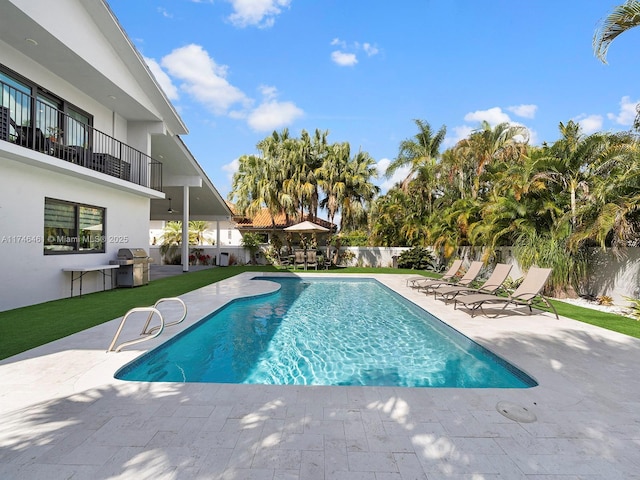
(63, 415)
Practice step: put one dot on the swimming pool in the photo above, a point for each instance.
(325, 331)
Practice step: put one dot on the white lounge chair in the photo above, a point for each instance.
(526, 294)
(491, 285)
(466, 280)
(414, 281)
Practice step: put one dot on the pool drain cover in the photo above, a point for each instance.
(516, 412)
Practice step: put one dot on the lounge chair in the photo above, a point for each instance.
(491, 285)
(467, 279)
(415, 281)
(529, 291)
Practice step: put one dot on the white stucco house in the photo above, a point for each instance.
(90, 150)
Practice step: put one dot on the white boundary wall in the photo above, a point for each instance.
(616, 277)
(609, 275)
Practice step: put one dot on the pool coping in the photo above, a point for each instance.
(585, 411)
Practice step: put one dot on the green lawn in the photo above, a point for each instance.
(28, 327)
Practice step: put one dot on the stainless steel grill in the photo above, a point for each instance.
(134, 267)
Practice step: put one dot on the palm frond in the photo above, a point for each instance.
(621, 19)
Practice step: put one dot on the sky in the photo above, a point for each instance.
(236, 70)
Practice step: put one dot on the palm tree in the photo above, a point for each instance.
(391, 213)
(259, 181)
(420, 153)
(170, 241)
(359, 190)
(568, 159)
(504, 142)
(610, 216)
(622, 18)
(331, 177)
(307, 156)
(197, 229)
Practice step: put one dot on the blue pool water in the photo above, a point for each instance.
(325, 332)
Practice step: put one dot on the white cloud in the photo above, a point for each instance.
(382, 165)
(231, 168)
(493, 115)
(203, 79)
(261, 13)
(533, 137)
(369, 49)
(524, 111)
(397, 177)
(340, 43)
(268, 92)
(460, 132)
(163, 79)
(344, 59)
(272, 114)
(206, 83)
(627, 113)
(164, 12)
(589, 123)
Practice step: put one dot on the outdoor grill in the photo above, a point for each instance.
(134, 267)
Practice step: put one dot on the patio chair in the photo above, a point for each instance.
(299, 259)
(312, 259)
(284, 260)
(527, 294)
(491, 285)
(416, 280)
(465, 281)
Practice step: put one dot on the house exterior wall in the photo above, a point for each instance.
(95, 54)
(28, 276)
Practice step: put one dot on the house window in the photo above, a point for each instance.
(73, 228)
(56, 119)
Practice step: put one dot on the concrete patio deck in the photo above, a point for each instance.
(64, 416)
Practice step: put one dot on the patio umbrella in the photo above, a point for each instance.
(306, 227)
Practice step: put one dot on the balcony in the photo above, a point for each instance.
(33, 123)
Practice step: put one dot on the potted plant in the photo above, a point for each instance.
(55, 133)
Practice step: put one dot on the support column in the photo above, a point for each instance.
(218, 242)
(185, 228)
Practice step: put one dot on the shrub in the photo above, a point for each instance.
(356, 238)
(510, 284)
(635, 307)
(605, 300)
(346, 257)
(418, 258)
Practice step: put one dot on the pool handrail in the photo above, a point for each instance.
(152, 311)
(170, 324)
(147, 333)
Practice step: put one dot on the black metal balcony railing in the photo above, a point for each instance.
(34, 124)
